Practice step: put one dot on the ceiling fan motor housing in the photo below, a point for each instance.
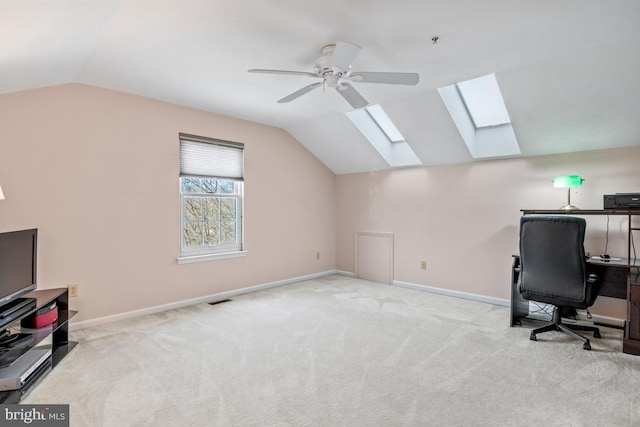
(322, 67)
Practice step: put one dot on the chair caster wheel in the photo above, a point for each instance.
(596, 334)
(586, 346)
(533, 337)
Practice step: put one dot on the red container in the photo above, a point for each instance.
(41, 318)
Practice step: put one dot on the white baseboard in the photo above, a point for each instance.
(346, 273)
(441, 291)
(74, 326)
(582, 315)
(450, 293)
(603, 320)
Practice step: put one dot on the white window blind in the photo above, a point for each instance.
(203, 157)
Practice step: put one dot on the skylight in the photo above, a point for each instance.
(483, 101)
(383, 135)
(384, 122)
(478, 111)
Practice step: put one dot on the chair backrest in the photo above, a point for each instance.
(552, 260)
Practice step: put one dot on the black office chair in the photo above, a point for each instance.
(553, 270)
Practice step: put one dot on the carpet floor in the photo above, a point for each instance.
(338, 351)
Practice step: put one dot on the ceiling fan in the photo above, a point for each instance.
(334, 68)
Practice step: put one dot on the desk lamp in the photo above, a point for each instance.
(568, 182)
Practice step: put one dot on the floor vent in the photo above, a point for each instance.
(219, 302)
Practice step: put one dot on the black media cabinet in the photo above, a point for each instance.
(55, 336)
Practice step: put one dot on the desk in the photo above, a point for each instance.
(619, 279)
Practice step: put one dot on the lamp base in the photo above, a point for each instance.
(569, 208)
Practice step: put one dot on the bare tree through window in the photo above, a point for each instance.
(210, 212)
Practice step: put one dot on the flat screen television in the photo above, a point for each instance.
(18, 256)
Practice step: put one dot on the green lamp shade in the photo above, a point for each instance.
(567, 181)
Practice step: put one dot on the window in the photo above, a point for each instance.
(384, 136)
(384, 123)
(483, 101)
(211, 188)
(478, 110)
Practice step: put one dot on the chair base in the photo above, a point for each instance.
(557, 325)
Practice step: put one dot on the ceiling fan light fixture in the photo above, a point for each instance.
(331, 79)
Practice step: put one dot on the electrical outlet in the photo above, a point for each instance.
(317, 255)
(423, 265)
(73, 291)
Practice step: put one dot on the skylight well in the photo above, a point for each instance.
(383, 135)
(483, 101)
(480, 114)
(384, 122)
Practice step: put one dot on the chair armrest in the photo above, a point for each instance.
(592, 288)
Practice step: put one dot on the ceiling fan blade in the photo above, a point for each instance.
(388, 78)
(300, 92)
(291, 73)
(344, 54)
(352, 96)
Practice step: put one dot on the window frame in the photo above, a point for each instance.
(204, 252)
(223, 247)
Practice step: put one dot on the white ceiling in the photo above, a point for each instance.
(569, 70)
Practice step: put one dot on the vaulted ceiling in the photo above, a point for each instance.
(569, 70)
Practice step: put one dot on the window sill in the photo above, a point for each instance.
(188, 259)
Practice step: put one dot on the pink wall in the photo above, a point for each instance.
(96, 172)
(463, 219)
